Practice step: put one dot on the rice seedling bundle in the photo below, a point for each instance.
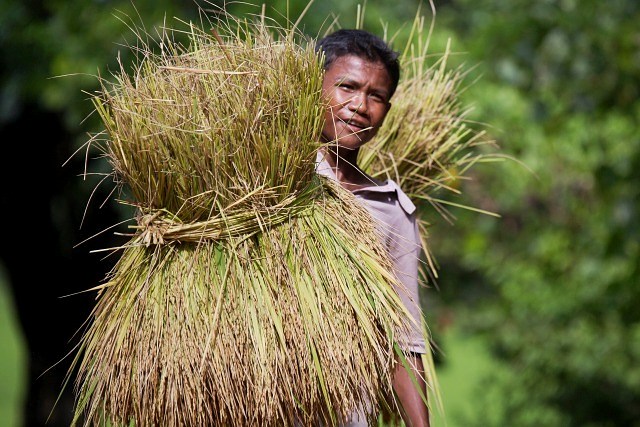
(426, 144)
(251, 292)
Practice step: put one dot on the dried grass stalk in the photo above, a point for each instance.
(251, 292)
(426, 143)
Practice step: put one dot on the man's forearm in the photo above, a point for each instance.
(415, 412)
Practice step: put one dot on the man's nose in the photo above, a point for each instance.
(358, 103)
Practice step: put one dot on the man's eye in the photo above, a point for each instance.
(345, 86)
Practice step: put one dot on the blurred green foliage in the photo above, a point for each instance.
(44, 40)
(12, 360)
(552, 285)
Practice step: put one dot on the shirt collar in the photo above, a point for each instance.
(389, 186)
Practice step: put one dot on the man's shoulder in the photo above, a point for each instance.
(404, 201)
(389, 188)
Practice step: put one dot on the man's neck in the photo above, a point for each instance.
(344, 165)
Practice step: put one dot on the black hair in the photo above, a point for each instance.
(363, 44)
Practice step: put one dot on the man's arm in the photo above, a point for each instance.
(415, 411)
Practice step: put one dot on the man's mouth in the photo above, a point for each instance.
(355, 125)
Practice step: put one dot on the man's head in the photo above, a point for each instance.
(364, 45)
(361, 75)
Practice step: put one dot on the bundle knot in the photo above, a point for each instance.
(152, 229)
(159, 227)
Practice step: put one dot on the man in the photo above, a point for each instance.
(361, 76)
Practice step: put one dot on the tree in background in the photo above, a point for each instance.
(553, 284)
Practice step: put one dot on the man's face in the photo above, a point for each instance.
(357, 92)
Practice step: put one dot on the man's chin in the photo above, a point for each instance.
(346, 146)
(351, 142)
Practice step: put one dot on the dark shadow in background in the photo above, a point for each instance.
(41, 213)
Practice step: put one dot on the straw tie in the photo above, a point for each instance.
(159, 227)
(152, 229)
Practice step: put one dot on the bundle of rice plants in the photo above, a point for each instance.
(251, 292)
(427, 144)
